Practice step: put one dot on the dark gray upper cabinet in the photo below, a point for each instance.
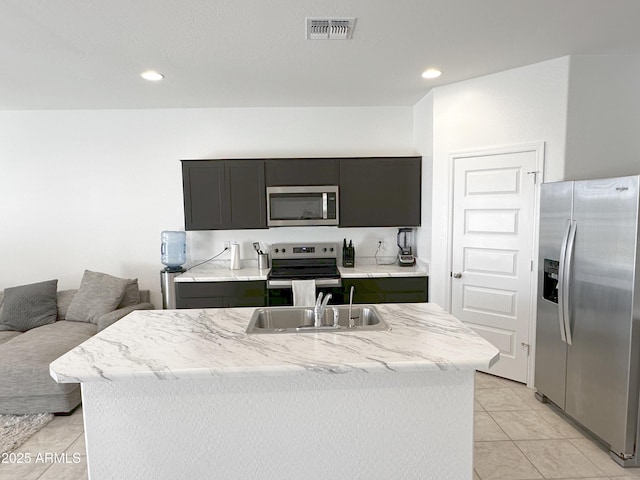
(204, 190)
(231, 194)
(302, 171)
(380, 192)
(248, 201)
(224, 194)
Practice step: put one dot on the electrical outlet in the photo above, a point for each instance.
(227, 244)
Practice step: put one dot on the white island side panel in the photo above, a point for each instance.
(410, 426)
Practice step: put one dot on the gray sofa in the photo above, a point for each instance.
(25, 383)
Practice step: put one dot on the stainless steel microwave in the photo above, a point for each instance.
(309, 205)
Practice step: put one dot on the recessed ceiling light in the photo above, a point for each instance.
(431, 73)
(152, 75)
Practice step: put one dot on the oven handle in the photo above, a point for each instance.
(320, 282)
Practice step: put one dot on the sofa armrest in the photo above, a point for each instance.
(110, 318)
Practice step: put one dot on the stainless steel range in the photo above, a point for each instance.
(303, 261)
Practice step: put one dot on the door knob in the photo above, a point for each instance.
(456, 275)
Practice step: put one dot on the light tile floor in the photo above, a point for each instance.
(516, 438)
(57, 452)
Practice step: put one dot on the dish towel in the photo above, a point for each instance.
(304, 293)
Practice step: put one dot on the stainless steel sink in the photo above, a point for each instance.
(301, 319)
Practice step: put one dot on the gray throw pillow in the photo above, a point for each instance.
(29, 306)
(131, 294)
(64, 300)
(99, 293)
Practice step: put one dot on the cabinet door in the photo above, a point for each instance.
(204, 195)
(304, 171)
(387, 290)
(205, 302)
(380, 192)
(221, 294)
(247, 195)
(224, 194)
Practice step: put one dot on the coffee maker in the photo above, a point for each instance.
(405, 246)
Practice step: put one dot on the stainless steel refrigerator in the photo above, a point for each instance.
(588, 330)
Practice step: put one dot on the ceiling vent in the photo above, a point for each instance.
(330, 28)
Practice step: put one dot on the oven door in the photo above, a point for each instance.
(287, 206)
(280, 293)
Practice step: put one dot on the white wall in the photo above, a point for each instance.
(94, 189)
(423, 140)
(603, 117)
(518, 106)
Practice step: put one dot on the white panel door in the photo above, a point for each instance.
(492, 252)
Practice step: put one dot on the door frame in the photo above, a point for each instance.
(539, 149)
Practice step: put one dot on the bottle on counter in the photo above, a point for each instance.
(234, 263)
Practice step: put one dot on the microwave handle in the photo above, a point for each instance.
(325, 205)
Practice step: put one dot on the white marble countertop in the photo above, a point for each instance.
(367, 268)
(205, 343)
(364, 268)
(220, 272)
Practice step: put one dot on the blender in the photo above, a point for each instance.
(405, 246)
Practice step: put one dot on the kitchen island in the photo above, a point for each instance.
(188, 394)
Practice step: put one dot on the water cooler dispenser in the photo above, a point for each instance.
(173, 250)
(550, 280)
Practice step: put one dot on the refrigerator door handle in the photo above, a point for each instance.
(561, 282)
(567, 281)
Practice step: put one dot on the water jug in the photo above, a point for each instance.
(173, 249)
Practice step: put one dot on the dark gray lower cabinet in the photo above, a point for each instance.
(224, 194)
(380, 192)
(254, 293)
(387, 289)
(221, 294)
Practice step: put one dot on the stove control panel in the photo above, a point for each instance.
(304, 250)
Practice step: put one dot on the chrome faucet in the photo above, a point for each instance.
(318, 310)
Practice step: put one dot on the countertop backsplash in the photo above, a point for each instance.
(205, 244)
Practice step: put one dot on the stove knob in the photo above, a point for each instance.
(324, 249)
(331, 249)
(284, 250)
(277, 250)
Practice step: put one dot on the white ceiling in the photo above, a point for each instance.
(88, 54)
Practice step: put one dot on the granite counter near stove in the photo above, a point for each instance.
(368, 268)
(220, 272)
(364, 268)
